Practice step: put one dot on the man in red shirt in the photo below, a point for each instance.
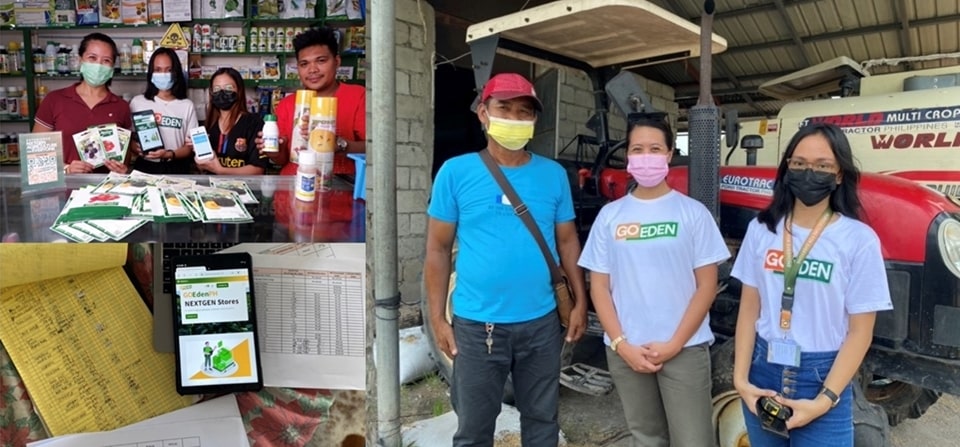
(317, 62)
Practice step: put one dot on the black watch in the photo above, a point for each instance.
(834, 399)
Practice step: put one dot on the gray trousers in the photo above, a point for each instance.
(530, 352)
(670, 408)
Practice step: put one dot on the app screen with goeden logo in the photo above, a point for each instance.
(216, 333)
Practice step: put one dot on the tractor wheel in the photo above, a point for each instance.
(870, 427)
(900, 400)
(727, 410)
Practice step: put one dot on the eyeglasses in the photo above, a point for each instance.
(819, 165)
(219, 88)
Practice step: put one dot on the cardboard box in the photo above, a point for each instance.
(65, 12)
(110, 11)
(88, 12)
(34, 13)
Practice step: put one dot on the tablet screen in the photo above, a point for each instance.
(215, 325)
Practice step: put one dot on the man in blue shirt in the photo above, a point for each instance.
(505, 320)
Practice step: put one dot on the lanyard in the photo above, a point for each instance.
(791, 265)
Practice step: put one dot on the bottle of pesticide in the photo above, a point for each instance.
(271, 134)
(307, 176)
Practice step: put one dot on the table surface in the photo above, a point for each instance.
(334, 217)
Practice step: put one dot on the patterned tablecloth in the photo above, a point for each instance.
(273, 417)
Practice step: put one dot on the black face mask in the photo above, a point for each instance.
(224, 99)
(810, 186)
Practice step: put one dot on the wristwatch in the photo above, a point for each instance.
(616, 342)
(834, 399)
(341, 144)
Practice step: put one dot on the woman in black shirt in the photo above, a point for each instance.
(231, 128)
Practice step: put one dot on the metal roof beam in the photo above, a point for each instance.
(746, 78)
(793, 31)
(906, 45)
(763, 7)
(844, 33)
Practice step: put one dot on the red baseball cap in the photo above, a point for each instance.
(508, 86)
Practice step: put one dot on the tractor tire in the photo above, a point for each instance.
(729, 428)
(900, 400)
(870, 428)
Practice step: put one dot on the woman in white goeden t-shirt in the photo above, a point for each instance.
(806, 358)
(166, 96)
(653, 257)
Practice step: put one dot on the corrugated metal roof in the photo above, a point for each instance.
(762, 44)
(762, 39)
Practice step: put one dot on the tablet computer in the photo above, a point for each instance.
(215, 324)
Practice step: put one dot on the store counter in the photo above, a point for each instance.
(334, 217)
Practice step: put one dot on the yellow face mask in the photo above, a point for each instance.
(511, 134)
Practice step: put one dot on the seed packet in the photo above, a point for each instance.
(88, 147)
(220, 205)
(237, 186)
(110, 11)
(116, 229)
(134, 12)
(135, 183)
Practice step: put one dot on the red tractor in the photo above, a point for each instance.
(915, 355)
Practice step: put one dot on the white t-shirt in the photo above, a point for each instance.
(842, 275)
(650, 249)
(174, 119)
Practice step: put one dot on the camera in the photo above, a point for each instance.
(773, 416)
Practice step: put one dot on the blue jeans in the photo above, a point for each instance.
(530, 352)
(833, 429)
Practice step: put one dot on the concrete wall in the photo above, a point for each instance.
(577, 105)
(415, 40)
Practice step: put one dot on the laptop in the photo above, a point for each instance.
(163, 254)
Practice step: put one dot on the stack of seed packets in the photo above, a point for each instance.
(216, 205)
(89, 215)
(238, 186)
(98, 144)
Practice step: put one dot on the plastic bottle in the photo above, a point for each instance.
(24, 104)
(14, 55)
(22, 56)
(126, 63)
(4, 61)
(50, 58)
(39, 67)
(13, 101)
(307, 176)
(271, 134)
(136, 57)
(41, 93)
(74, 60)
(63, 60)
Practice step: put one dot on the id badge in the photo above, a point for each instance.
(783, 352)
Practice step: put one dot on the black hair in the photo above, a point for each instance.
(317, 36)
(651, 121)
(843, 200)
(179, 88)
(101, 38)
(239, 108)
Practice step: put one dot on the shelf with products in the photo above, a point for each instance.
(33, 39)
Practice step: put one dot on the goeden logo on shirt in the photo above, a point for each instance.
(810, 269)
(641, 232)
(171, 121)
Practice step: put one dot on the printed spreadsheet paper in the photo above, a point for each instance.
(82, 342)
(310, 314)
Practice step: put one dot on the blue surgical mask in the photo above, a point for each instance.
(162, 81)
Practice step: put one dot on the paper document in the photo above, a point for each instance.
(82, 342)
(223, 407)
(221, 432)
(312, 319)
(331, 250)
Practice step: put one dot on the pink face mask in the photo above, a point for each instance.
(647, 169)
